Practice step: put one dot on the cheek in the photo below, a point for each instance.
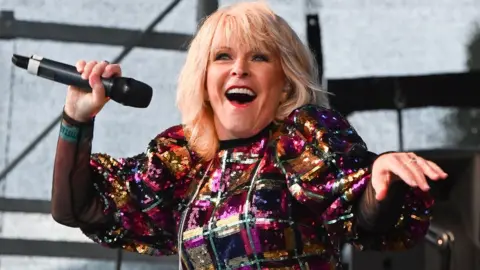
(275, 88)
(211, 85)
(270, 104)
(274, 80)
(211, 93)
(214, 79)
(275, 85)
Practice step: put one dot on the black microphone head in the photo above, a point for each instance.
(130, 92)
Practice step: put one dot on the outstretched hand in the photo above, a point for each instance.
(406, 167)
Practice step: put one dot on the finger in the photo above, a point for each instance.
(436, 169)
(428, 170)
(410, 162)
(381, 194)
(98, 69)
(94, 77)
(397, 166)
(98, 91)
(112, 70)
(80, 65)
(380, 185)
(88, 69)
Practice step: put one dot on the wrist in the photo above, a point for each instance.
(74, 131)
(75, 120)
(71, 112)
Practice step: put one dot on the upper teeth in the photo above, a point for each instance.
(241, 91)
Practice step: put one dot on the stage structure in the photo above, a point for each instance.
(453, 241)
(11, 28)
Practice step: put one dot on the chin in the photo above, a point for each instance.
(243, 125)
(242, 130)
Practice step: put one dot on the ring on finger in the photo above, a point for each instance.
(411, 160)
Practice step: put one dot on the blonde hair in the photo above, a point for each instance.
(253, 24)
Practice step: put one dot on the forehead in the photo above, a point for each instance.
(234, 33)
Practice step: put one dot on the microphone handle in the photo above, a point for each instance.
(68, 75)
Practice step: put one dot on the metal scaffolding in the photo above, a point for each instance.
(11, 28)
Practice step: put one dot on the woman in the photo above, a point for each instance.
(255, 177)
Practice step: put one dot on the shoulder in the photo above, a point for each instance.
(171, 147)
(314, 116)
(318, 115)
(323, 126)
(173, 133)
(169, 139)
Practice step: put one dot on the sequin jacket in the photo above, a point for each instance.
(285, 198)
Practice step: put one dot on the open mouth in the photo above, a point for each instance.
(240, 96)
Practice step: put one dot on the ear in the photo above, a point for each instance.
(285, 92)
(283, 96)
(205, 92)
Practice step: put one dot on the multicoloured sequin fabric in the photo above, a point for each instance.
(283, 199)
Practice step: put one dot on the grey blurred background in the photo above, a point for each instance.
(359, 38)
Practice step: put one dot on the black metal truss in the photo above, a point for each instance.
(11, 28)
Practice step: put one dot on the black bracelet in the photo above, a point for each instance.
(74, 122)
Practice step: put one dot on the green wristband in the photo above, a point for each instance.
(69, 133)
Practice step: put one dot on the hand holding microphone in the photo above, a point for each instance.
(81, 105)
(90, 85)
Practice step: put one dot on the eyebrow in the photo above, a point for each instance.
(229, 48)
(222, 48)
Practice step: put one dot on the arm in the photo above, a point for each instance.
(329, 170)
(74, 203)
(128, 203)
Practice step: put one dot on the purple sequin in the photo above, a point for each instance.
(282, 201)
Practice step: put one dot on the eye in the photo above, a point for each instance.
(222, 56)
(260, 57)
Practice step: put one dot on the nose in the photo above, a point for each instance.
(240, 69)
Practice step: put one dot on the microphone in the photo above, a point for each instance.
(123, 90)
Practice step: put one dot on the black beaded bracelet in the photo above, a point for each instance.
(74, 122)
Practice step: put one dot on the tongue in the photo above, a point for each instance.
(238, 104)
